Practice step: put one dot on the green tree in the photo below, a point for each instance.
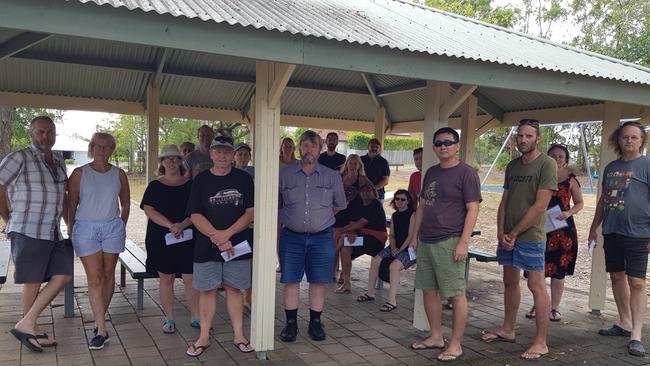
(505, 16)
(539, 16)
(617, 28)
(14, 126)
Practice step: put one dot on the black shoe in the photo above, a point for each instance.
(316, 331)
(289, 332)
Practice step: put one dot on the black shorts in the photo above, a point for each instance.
(624, 253)
(371, 246)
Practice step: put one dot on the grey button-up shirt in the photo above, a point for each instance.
(308, 202)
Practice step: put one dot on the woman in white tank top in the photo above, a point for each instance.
(99, 202)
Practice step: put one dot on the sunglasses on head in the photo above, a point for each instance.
(529, 122)
(444, 142)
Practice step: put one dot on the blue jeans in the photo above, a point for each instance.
(310, 254)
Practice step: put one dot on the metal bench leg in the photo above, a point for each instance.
(140, 294)
(122, 276)
(379, 284)
(466, 273)
(68, 299)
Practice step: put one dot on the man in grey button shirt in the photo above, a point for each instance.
(310, 194)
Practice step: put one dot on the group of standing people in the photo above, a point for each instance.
(203, 200)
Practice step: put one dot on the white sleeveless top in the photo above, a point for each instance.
(98, 194)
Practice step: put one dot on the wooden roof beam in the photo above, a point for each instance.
(456, 100)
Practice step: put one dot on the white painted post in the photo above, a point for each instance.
(468, 131)
(270, 80)
(598, 282)
(152, 111)
(436, 94)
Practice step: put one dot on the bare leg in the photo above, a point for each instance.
(557, 289)
(30, 291)
(167, 294)
(235, 305)
(511, 300)
(433, 309)
(291, 293)
(191, 296)
(316, 296)
(94, 267)
(373, 272)
(537, 286)
(110, 261)
(207, 307)
(621, 290)
(458, 325)
(28, 323)
(346, 268)
(395, 268)
(638, 300)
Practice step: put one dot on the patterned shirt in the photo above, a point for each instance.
(35, 191)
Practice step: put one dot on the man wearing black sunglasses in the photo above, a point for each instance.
(521, 230)
(449, 200)
(33, 180)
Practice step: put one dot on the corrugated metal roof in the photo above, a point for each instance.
(399, 25)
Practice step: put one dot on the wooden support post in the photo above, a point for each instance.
(380, 126)
(468, 131)
(152, 110)
(598, 282)
(436, 94)
(267, 150)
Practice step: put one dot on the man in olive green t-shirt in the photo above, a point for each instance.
(529, 183)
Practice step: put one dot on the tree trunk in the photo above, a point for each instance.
(5, 130)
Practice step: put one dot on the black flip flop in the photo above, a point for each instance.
(45, 336)
(244, 347)
(24, 339)
(197, 348)
(365, 297)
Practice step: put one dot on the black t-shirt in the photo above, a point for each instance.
(222, 200)
(373, 212)
(376, 169)
(401, 222)
(333, 162)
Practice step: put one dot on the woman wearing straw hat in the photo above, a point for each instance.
(170, 247)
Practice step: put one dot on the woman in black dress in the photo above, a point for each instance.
(164, 203)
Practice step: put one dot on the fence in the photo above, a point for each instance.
(393, 156)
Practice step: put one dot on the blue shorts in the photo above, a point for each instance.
(90, 237)
(310, 254)
(526, 256)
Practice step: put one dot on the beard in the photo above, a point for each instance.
(308, 159)
(331, 147)
(525, 149)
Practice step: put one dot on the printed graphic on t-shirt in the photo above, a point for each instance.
(521, 178)
(227, 197)
(616, 187)
(429, 193)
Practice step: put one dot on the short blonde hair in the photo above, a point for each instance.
(100, 136)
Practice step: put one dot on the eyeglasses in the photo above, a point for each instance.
(444, 142)
(400, 199)
(529, 122)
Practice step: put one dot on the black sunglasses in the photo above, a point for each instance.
(529, 122)
(445, 142)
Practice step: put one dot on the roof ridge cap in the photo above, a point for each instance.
(529, 36)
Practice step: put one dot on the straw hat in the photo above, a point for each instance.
(169, 150)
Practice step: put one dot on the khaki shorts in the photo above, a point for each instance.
(437, 269)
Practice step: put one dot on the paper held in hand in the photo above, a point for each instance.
(358, 242)
(240, 249)
(552, 222)
(170, 239)
(412, 253)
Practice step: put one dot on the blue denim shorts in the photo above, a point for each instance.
(306, 254)
(527, 256)
(90, 237)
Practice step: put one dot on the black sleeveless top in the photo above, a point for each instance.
(401, 221)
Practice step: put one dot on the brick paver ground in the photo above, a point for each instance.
(358, 334)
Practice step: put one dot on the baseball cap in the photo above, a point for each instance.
(222, 140)
(243, 145)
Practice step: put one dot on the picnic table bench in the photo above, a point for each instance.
(5, 253)
(134, 259)
(396, 165)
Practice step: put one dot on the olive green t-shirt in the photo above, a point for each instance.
(522, 181)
